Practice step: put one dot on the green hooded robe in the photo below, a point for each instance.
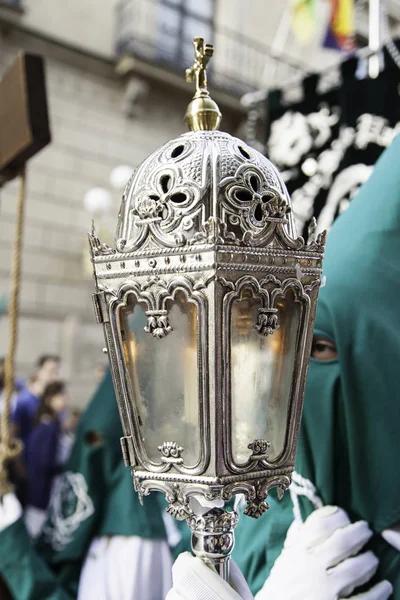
(349, 445)
(94, 497)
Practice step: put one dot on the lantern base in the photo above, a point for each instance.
(213, 538)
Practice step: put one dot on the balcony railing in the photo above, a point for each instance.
(160, 32)
(15, 4)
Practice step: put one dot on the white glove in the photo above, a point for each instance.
(194, 580)
(320, 561)
(10, 510)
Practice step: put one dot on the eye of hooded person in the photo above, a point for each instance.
(323, 349)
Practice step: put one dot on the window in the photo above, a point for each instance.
(16, 4)
(179, 22)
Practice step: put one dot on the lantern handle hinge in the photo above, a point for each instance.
(100, 307)
(128, 453)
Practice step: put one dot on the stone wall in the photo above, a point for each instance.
(90, 137)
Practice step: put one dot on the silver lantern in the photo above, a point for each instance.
(207, 303)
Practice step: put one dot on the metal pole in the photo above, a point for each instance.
(213, 538)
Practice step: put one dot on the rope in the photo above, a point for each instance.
(301, 486)
(9, 447)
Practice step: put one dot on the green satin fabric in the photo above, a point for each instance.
(349, 444)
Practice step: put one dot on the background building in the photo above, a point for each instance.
(116, 92)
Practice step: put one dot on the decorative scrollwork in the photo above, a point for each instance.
(171, 453)
(178, 495)
(179, 511)
(204, 187)
(215, 231)
(254, 200)
(256, 508)
(267, 321)
(161, 208)
(318, 245)
(161, 202)
(258, 209)
(259, 448)
(217, 521)
(98, 248)
(158, 323)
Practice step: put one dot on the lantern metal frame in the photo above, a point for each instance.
(207, 216)
(210, 267)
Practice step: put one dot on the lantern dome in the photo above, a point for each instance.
(199, 176)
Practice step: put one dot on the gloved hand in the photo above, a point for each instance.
(10, 510)
(194, 580)
(321, 561)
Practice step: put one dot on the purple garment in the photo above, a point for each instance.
(26, 406)
(20, 384)
(42, 462)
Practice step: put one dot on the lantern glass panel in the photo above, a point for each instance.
(262, 369)
(164, 377)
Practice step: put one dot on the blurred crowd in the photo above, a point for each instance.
(41, 417)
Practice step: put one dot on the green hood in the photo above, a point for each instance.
(350, 430)
(349, 443)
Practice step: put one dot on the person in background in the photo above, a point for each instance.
(44, 457)
(97, 541)
(47, 370)
(69, 425)
(25, 407)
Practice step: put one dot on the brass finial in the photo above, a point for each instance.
(202, 113)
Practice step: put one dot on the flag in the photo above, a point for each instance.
(340, 33)
(303, 20)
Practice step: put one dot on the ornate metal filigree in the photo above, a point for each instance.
(256, 508)
(98, 247)
(218, 521)
(178, 496)
(215, 231)
(158, 323)
(256, 208)
(267, 321)
(252, 197)
(171, 453)
(318, 244)
(162, 209)
(259, 448)
(179, 511)
(168, 200)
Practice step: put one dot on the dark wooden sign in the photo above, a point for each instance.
(24, 119)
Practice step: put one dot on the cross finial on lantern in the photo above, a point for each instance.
(197, 72)
(202, 113)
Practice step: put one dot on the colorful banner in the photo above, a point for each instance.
(340, 34)
(304, 22)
